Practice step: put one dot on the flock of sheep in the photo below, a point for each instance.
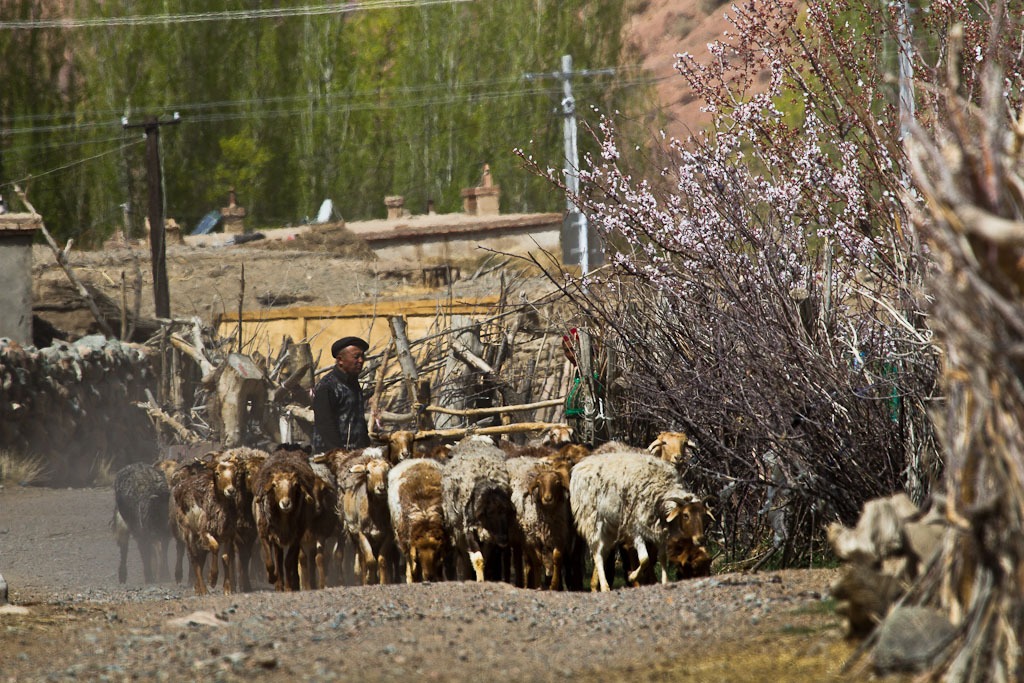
(527, 514)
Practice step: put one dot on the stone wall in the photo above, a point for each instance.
(73, 405)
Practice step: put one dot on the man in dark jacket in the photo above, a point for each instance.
(339, 416)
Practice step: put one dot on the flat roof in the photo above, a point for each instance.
(19, 223)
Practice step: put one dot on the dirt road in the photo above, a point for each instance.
(71, 620)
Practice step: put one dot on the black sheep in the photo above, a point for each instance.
(141, 504)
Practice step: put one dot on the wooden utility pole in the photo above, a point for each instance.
(155, 183)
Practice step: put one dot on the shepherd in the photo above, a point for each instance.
(339, 413)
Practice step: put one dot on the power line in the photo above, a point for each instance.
(59, 146)
(72, 164)
(227, 15)
(349, 107)
(215, 104)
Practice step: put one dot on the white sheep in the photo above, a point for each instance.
(414, 500)
(477, 502)
(632, 499)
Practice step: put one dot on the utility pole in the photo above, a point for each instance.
(154, 182)
(575, 217)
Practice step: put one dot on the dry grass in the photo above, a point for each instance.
(103, 471)
(17, 468)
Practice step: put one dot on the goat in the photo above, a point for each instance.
(477, 502)
(629, 498)
(414, 500)
(205, 517)
(141, 510)
(284, 507)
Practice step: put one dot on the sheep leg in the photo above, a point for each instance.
(476, 557)
(213, 547)
(161, 556)
(641, 552)
(122, 545)
(146, 553)
(600, 551)
(227, 557)
(519, 565)
(178, 556)
(276, 568)
(196, 559)
(410, 560)
(321, 565)
(369, 559)
(663, 559)
(556, 570)
(243, 550)
(291, 567)
(384, 573)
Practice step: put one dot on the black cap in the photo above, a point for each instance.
(337, 346)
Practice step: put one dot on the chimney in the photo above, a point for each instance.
(396, 207)
(482, 200)
(233, 215)
(16, 233)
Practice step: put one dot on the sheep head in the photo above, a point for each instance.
(375, 473)
(672, 447)
(400, 445)
(283, 488)
(686, 516)
(227, 477)
(557, 435)
(549, 487)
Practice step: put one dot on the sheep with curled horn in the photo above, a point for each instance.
(632, 499)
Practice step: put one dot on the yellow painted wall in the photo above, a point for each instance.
(264, 330)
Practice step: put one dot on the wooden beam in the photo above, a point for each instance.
(379, 308)
(469, 412)
(516, 428)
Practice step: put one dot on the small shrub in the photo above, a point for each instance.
(103, 471)
(16, 468)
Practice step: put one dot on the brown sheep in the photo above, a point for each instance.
(400, 445)
(248, 460)
(690, 561)
(540, 494)
(321, 542)
(204, 514)
(414, 500)
(363, 511)
(557, 435)
(674, 448)
(284, 507)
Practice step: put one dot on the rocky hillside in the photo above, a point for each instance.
(658, 30)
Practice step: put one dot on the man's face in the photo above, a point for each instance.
(351, 360)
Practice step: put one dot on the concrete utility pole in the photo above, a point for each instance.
(906, 78)
(154, 181)
(574, 216)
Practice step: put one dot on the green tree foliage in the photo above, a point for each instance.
(352, 106)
